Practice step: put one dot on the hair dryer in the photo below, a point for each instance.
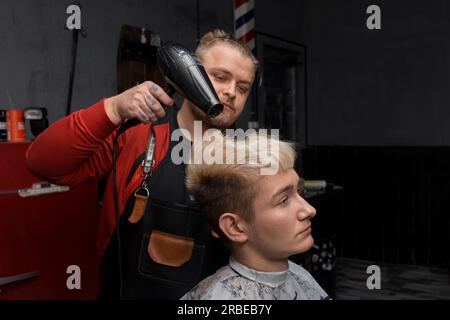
(183, 72)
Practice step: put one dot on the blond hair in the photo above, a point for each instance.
(232, 187)
(219, 36)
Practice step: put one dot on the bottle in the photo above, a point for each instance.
(16, 125)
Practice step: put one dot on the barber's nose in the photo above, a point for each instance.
(230, 91)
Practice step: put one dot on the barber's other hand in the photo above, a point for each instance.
(142, 101)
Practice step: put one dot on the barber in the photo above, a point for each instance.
(166, 246)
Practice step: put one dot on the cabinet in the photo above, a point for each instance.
(43, 236)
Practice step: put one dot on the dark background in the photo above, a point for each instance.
(376, 100)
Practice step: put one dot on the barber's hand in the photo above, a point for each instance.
(142, 101)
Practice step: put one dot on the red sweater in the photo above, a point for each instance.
(79, 147)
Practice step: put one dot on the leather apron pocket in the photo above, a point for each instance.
(162, 264)
(173, 249)
(169, 249)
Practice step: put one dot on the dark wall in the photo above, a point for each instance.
(36, 48)
(395, 204)
(35, 55)
(377, 125)
(381, 87)
(283, 19)
(378, 87)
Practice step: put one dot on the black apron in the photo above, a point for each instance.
(171, 211)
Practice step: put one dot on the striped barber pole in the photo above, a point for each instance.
(244, 21)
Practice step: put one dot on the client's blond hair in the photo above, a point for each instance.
(231, 187)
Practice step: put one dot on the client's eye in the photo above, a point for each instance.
(284, 202)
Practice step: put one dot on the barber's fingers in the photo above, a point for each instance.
(141, 115)
(157, 92)
(152, 106)
(143, 102)
(151, 116)
(137, 107)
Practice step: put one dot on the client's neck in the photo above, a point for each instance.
(260, 263)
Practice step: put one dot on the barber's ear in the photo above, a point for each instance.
(234, 227)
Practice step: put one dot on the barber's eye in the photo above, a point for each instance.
(243, 89)
(219, 77)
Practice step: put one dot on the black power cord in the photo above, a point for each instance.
(124, 126)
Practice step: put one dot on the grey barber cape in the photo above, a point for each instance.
(238, 282)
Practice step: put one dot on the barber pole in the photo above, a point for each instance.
(244, 21)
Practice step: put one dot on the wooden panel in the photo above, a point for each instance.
(136, 60)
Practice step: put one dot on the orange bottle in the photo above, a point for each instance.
(16, 125)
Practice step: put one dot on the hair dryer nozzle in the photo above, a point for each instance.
(183, 71)
(215, 110)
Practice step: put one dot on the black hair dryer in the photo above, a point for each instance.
(184, 73)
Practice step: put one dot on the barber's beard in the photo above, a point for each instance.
(223, 121)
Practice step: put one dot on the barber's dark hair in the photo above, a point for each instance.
(217, 36)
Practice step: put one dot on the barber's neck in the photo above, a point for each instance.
(186, 118)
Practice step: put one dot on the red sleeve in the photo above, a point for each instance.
(76, 148)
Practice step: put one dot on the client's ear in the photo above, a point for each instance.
(233, 226)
